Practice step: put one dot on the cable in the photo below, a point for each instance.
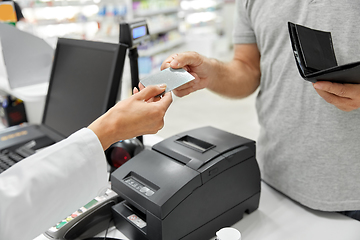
(105, 237)
(106, 232)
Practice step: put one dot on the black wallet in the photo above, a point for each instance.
(315, 57)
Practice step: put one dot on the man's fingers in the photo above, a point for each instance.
(190, 84)
(328, 97)
(166, 63)
(342, 103)
(187, 58)
(338, 89)
(183, 92)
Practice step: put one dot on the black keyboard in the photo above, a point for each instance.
(8, 157)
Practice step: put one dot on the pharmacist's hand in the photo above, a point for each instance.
(345, 97)
(142, 113)
(196, 64)
(141, 87)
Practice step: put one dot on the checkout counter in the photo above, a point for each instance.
(276, 218)
(280, 218)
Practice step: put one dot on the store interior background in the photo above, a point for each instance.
(175, 26)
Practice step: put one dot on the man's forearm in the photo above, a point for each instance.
(234, 79)
(238, 78)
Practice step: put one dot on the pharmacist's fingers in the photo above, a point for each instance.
(135, 90)
(165, 101)
(153, 99)
(150, 92)
(141, 86)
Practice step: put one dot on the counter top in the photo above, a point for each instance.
(278, 218)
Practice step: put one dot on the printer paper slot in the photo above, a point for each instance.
(195, 144)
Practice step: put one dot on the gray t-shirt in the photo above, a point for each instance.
(307, 148)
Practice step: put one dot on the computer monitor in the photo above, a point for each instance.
(84, 83)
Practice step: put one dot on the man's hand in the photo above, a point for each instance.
(235, 79)
(142, 113)
(193, 63)
(345, 97)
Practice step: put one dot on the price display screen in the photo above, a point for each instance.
(139, 32)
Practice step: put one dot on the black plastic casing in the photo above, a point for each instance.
(203, 180)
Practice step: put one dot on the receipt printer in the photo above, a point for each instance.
(187, 186)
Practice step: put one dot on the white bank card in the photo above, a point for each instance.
(173, 78)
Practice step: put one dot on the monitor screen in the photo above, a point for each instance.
(84, 83)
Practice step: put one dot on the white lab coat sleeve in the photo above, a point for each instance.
(46, 187)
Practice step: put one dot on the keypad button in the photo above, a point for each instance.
(149, 193)
(144, 189)
(5, 151)
(15, 157)
(3, 165)
(60, 224)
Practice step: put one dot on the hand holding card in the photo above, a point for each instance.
(173, 78)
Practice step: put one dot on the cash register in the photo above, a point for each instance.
(187, 186)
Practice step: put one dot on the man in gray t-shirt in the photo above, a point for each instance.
(308, 145)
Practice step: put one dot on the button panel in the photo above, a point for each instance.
(140, 187)
(90, 205)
